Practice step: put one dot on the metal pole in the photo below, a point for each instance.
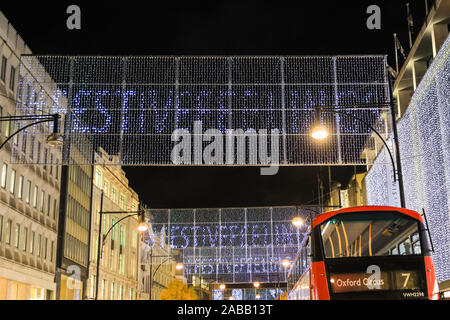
(397, 148)
(99, 249)
(151, 273)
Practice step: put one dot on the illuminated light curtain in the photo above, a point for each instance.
(134, 106)
(424, 139)
(231, 245)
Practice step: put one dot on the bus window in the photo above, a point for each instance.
(370, 234)
(405, 247)
(416, 243)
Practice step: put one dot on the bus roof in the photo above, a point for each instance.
(325, 216)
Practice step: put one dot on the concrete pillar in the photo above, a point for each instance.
(439, 33)
(403, 98)
(418, 71)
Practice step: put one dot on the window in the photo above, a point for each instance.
(98, 177)
(12, 78)
(35, 196)
(38, 152)
(45, 247)
(20, 190)
(49, 202)
(121, 292)
(3, 70)
(57, 170)
(405, 247)
(39, 246)
(114, 194)
(121, 264)
(105, 186)
(54, 208)
(25, 239)
(28, 191)
(52, 248)
(24, 142)
(4, 175)
(123, 202)
(8, 231)
(113, 289)
(41, 207)
(51, 163)
(32, 147)
(367, 234)
(33, 235)
(17, 235)
(1, 228)
(103, 289)
(7, 126)
(45, 158)
(12, 183)
(415, 239)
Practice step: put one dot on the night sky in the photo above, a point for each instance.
(213, 28)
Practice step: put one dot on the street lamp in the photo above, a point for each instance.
(54, 139)
(143, 226)
(297, 222)
(319, 132)
(179, 267)
(256, 284)
(286, 263)
(222, 286)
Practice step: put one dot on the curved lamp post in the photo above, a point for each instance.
(54, 139)
(179, 266)
(319, 132)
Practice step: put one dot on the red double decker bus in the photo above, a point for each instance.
(371, 252)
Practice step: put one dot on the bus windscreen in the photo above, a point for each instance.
(368, 234)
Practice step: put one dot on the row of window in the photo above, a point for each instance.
(27, 240)
(12, 73)
(111, 192)
(410, 245)
(35, 150)
(116, 292)
(75, 249)
(81, 179)
(23, 190)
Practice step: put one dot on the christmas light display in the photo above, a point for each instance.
(139, 108)
(424, 140)
(231, 245)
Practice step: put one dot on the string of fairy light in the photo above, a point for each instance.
(424, 140)
(131, 106)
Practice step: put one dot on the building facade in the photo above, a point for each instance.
(29, 194)
(421, 90)
(118, 279)
(157, 266)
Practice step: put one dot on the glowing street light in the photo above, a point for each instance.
(297, 222)
(286, 263)
(179, 266)
(222, 286)
(319, 132)
(142, 227)
(258, 296)
(256, 284)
